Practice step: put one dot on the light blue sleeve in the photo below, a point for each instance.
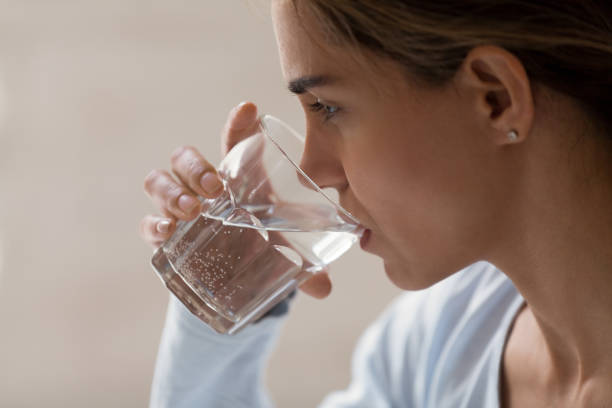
(197, 367)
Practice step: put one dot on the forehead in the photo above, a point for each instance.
(304, 52)
(302, 47)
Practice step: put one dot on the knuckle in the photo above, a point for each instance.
(189, 165)
(151, 179)
(195, 169)
(172, 195)
(179, 152)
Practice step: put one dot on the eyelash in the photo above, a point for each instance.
(328, 111)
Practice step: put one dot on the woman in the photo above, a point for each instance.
(458, 132)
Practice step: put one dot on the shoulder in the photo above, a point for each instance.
(479, 289)
(425, 334)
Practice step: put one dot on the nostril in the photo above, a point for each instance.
(324, 177)
(305, 181)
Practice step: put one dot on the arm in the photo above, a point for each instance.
(197, 367)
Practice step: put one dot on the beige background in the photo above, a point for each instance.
(94, 94)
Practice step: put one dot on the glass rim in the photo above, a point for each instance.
(266, 131)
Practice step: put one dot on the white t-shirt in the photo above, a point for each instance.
(436, 348)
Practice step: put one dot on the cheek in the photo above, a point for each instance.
(400, 152)
(394, 175)
(415, 185)
(380, 177)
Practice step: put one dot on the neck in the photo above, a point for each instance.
(559, 256)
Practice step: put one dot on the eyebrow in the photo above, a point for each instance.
(303, 84)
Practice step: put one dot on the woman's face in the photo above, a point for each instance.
(409, 162)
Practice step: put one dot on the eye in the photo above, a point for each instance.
(328, 111)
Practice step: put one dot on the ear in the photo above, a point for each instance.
(500, 92)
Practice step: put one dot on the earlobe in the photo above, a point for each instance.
(513, 136)
(501, 91)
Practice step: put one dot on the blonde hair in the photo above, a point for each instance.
(565, 45)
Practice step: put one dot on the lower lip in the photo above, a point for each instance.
(365, 237)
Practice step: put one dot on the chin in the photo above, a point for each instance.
(404, 277)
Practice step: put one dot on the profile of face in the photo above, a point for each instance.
(420, 166)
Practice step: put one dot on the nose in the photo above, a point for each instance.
(321, 160)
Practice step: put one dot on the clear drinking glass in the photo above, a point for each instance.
(270, 230)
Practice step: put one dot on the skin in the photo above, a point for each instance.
(432, 173)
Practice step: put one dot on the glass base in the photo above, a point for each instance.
(207, 313)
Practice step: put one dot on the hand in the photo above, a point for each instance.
(176, 197)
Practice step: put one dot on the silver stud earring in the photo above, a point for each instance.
(513, 135)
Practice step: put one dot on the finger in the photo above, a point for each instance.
(196, 172)
(155, 229)
(241, 123)
(171, 197)
(319, 286)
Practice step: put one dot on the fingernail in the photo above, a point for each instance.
(187, 203)
(163, 226)
(211, 183)
(237, 108)
(243, 118)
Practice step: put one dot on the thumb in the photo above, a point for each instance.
(241, 123)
